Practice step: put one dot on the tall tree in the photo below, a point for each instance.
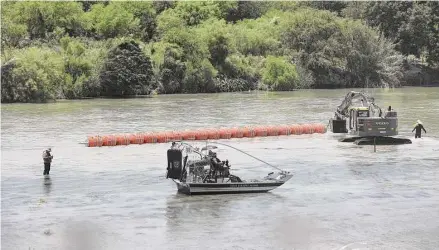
(127, 71)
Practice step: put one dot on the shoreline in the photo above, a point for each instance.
(433, 85)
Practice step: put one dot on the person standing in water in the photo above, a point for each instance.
(418, 128)
(47, 158)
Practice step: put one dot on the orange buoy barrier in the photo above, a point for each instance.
(136, 139)
(176, 136)
(213, 134)
(188, 135)
(163, 137)
(248, 132)
(272, 131)
(149, 138)
(284, 130)
(205, 134)
(296, 130)
(95, 141)
(237, 133)
(122, 140)
(225, 133)
(109, 140)
(201, 134)
(260, 131)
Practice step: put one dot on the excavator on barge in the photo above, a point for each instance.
(368, 123)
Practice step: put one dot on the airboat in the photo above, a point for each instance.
(198, 171)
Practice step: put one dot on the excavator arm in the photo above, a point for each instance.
(342, 111)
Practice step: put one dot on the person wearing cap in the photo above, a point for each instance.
(418, 127)
(47, 158)
(215, 163)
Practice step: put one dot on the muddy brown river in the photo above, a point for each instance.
(342, 196)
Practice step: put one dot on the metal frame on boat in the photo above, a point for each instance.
(199, 171)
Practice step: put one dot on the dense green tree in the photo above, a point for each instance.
(278, 74)
(127, 71)
(111, 21)
(81, 66)
(433, 35)
(146, 14)
(34, 75)
(199, 77)
(245, 10)
(160, 6)
(172, 71)
(193, 12)
(333, 6)
(41, 18)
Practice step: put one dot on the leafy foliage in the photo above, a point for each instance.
(114, 48)
(278, 74)
(412, 25)
(127, 71)
(35, 76)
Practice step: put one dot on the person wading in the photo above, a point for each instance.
(418, 128)
(47, 158)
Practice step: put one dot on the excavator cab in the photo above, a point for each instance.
(356, 123)
(361, 123)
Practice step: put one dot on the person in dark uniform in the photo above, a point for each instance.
(47, 158)
(418, 128)
(215, 164)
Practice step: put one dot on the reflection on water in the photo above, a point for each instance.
(47, 184)
(181, 208)
(341, 194)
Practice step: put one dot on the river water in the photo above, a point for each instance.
(342, 196)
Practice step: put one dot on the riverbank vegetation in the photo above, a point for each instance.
(72, 50)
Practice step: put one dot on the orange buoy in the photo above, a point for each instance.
(296, 130)
(225, 133)
(163, 137)
(248, 132)
(284, 130)
(92, 142)
(320, 128)
(305, 129)
(136, 139)
(261, 131)
(201, 134)
(99, 141)
(149, 138)
(272, 131)
(177, 136)
(213, 134)
(237, 133)
(188, 135)
(122, 140)
(109, 140)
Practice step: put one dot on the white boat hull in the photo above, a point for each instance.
(229, 188)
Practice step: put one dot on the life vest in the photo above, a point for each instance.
(47, 157)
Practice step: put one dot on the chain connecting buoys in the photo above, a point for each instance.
(205, 134)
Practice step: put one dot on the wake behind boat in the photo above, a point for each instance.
(196, 172)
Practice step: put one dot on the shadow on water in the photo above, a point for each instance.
(181, 207)
(47, 185)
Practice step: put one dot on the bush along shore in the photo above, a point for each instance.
(72, 50)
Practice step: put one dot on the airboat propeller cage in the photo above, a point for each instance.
(175, 164)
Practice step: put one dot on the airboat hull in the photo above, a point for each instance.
(227, 188)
